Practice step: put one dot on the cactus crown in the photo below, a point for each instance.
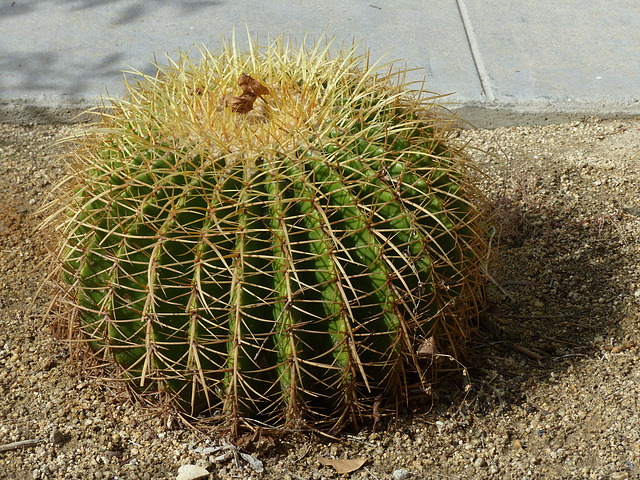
(271, 234)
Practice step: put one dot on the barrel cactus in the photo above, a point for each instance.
(271, 235)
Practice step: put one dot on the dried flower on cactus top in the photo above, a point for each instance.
(251, 90)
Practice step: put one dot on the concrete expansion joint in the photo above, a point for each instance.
(472, 40)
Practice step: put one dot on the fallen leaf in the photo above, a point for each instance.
(428, 348)
(256, 464)
(342, 465)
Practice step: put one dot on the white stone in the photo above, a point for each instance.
(400, 474)
(191, 472)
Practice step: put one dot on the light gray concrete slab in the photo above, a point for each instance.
(556, 56)
(524, 61)
(59, 55)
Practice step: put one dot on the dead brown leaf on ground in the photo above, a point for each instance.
(342, 465)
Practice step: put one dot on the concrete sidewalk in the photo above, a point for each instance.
(504, 62)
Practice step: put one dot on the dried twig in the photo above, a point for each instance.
(22, 443)
(527, 353)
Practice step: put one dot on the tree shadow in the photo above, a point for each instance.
(76, 65)
(131, 12)
(48, 73)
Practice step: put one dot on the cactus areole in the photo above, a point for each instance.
(271, 235)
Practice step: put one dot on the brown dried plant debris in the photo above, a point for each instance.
(251, 90)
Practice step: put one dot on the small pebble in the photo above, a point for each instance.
(401, 474)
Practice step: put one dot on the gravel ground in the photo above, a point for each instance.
(553, 385)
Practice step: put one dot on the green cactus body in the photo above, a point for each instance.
(284, 263)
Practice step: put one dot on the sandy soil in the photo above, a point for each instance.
(554, 378)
